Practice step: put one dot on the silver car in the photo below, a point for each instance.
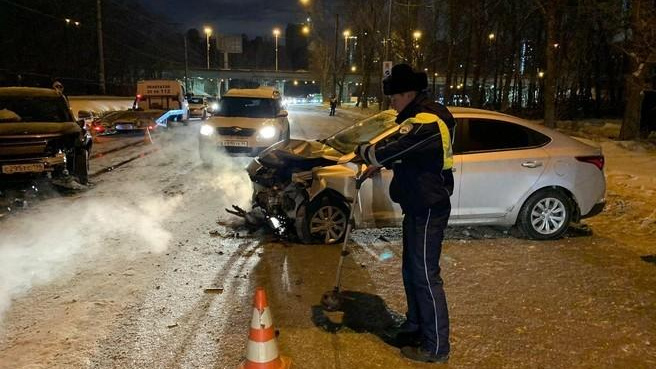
(507, 172)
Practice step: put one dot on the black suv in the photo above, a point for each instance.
(39, 135)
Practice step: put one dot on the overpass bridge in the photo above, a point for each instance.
(218, 81)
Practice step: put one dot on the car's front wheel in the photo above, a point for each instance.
(545, 215)
(324, 220)
(82, 166)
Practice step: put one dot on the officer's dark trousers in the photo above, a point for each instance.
(422, 246)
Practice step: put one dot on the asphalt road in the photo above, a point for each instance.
(146, 270)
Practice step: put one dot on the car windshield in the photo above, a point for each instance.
(196, 100)
(347, 139)
(247, 107)
(33, 109)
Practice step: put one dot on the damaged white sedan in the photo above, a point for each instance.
(507, 172)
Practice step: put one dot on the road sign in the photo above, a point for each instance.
(230, 44)
(387, 69)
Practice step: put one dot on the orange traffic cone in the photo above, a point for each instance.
(262, 349)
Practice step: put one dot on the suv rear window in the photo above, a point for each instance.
(248, 107)
(196, 100)
(33, 109)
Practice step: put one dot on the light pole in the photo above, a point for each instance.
(276, 33)
(347, 34)
(208, 33)
(416, 35)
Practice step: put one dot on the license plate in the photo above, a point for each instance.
(234, 143)
(23, 168)
(124, 127)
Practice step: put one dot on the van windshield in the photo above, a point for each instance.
(33, 109)
(247, 107)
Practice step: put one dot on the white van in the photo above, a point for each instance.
(166, 95)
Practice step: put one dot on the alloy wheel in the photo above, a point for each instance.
(548, 215)
(328, 223)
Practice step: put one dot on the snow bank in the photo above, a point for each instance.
(99, 103)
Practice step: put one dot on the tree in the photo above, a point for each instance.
(640, 47)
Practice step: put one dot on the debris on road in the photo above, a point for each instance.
(217, 291)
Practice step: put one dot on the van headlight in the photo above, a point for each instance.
(206, 130)
(214, 106)
(267, 132)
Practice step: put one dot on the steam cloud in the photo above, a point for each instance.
(45, 247)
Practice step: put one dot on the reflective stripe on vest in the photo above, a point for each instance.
(447, 149)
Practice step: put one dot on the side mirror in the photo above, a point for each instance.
(81, 123)
(282, 114)
(83, 114)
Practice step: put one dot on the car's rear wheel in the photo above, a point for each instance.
(324, 220)
(545, 215)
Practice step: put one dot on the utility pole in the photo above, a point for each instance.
(335, 55)
(101, 56)
(186, 63)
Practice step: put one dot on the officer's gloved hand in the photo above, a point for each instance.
(361, 151)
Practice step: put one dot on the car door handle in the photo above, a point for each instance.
(532, 164)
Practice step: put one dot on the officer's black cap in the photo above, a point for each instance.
(404, 79)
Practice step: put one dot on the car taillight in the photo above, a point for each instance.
(596, 160)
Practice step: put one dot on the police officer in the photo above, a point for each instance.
(421, 158)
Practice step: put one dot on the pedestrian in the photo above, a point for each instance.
(333, 105)
(59, 87)
(421, 158)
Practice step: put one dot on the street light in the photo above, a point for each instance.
(491, 36)
(276, 33)
(416, 35)
(305, 2)
(305, 30)
(208, 32)
(354, 68)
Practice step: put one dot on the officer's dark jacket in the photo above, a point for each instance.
(420, 155)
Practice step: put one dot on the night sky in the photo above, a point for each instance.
(252, 17)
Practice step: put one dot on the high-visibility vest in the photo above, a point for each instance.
(445, 134)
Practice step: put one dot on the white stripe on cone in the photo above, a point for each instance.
(262, 352)
(263, 320)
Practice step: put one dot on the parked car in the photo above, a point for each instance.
(125, 121)
(40, 136)
(197, 107)
(507, 172)
(247, 121)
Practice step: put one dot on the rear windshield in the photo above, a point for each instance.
(196, 100)
(34, 109)
(248, 107)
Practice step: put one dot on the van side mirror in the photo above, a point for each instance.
(282, 114)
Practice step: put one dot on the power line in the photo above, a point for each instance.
(36, 11)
